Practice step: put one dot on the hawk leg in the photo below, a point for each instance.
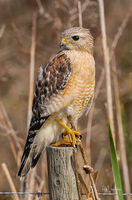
(68, 132)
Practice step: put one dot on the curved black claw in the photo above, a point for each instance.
(62, 135)
(80, 137)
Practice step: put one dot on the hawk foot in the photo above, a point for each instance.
(68, 132)
(57, 144)
(64, 142)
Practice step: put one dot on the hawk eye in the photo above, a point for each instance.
(75, 37)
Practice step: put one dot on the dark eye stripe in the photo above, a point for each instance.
(75, 37)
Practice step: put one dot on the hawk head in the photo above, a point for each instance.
(77, 38)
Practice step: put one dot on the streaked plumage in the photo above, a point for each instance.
(64, 89)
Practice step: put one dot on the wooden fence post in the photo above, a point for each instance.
(61, 173)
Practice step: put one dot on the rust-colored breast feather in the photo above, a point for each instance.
(81, 83)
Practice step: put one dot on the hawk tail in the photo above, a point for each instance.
(32, 150)
(30, 162)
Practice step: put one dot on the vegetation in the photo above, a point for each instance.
(29, 36)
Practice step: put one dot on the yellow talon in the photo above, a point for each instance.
(57, 144)
(64, 142)
(77, 133)
(69, 133)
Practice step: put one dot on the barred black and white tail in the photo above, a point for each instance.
(31, 152)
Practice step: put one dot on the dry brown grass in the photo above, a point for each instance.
(18, 43)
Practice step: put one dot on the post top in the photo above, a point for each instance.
(60, 147)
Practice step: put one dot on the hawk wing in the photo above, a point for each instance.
(51, 80)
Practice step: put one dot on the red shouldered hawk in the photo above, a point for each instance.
(64, 91)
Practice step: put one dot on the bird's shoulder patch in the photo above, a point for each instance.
(51, 80)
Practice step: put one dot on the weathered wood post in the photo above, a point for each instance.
(61, 173)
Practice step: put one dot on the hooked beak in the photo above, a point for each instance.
(63, 42)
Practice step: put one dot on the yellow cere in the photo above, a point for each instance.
(64, 40)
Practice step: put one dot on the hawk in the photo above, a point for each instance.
(64, 92)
